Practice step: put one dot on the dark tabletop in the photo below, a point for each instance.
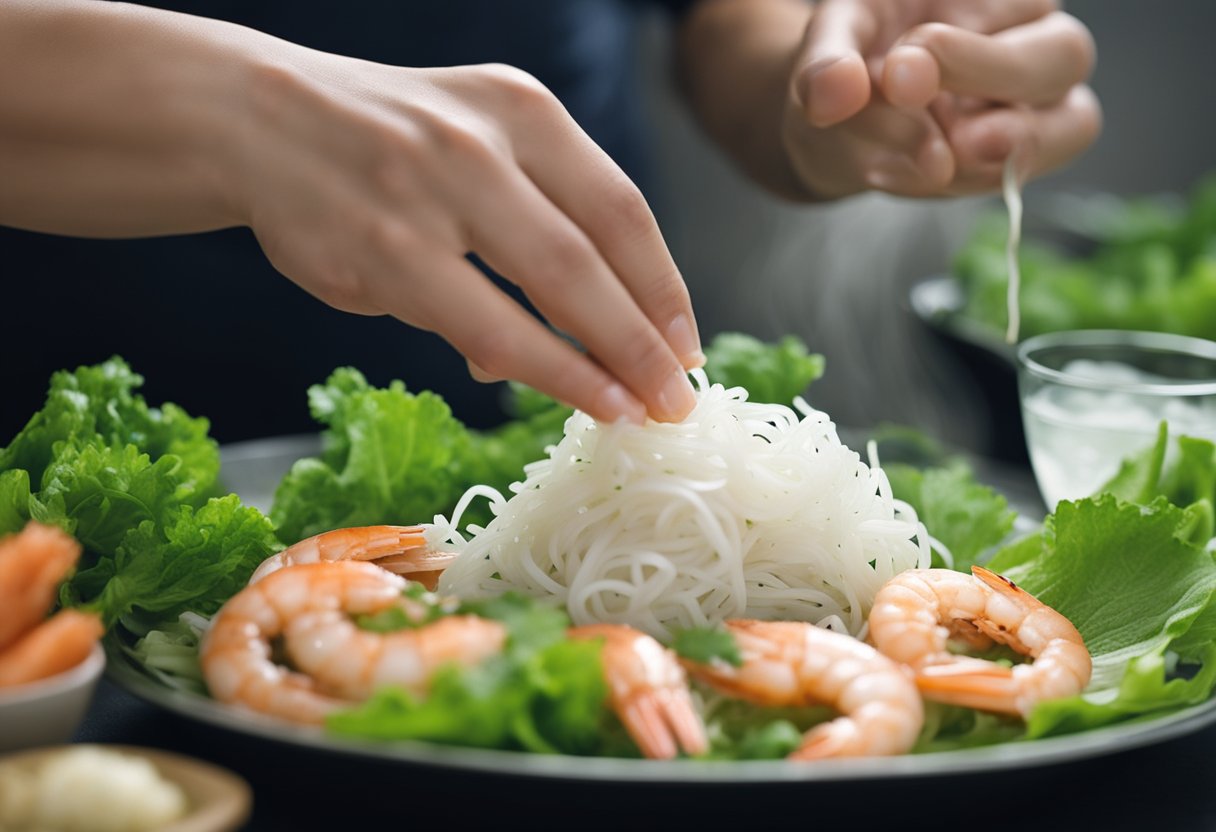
(1168, 786)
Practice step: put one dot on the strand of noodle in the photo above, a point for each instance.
(1013, 202)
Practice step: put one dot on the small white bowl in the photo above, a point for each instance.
(218, 800)
(48, 711)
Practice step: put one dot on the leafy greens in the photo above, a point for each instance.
(136, 485)
(1153, 269)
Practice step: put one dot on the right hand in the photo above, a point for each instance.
(368, 184)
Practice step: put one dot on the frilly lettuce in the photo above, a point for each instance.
(135, 484)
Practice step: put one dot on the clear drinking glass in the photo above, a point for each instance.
(1090, 398)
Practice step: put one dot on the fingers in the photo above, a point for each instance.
(831, 81)
(496, 335)
(481, 375)
(583, 183)
(1044, 138)
(526, 238)
(989, 16)
(1035, 63)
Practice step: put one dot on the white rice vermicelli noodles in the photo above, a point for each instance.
(741, 510)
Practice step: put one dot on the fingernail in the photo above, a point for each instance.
(685, 342)
(618, 404)
(802, 88)
(820, 64)
(676, 399)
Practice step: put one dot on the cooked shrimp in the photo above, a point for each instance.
(403, 550)
(57, 644)
(236, 651)
(353, 662)
(915, 613)
(648, 691)
(794, 663)
(32, 564)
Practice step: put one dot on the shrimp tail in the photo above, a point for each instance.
(1004, 586)
(971, 684)
(832, 739)
(662, 722)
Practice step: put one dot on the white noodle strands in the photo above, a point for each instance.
(1013, 203)
(741, 510)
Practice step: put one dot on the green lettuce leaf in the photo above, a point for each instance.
(770, 372)
(389, 456)
(1146, 689)
(706, 644)
(544, 693)
(967, 517)
(14, 500)
(99, 492)
(195, 561)
(99, 404)
(1101, 560)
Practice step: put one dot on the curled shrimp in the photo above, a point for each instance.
(354, 662)
(648, 691)
(32, 564)
(403, 550)
(795, 663)
(917, 611)
(235, 653)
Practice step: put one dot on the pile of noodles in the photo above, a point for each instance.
(741, 510)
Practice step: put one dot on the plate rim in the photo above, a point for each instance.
(1112, 739)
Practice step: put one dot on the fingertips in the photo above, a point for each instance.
(833, 88)
(481, 375)
(682, 336)
(911, 78)
(614, 403)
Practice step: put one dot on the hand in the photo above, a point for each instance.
(367, 185)
(929, 97)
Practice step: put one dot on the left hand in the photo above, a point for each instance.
(929, 97)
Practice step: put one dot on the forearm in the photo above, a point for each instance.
(735, 59)
(115, 119)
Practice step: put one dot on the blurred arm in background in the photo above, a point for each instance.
(917, 98)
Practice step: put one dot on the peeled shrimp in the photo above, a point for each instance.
(32, 564)
(62, 641)
(648, 691)
(403, 550)
(354, 662)
(794, 663)
(917, 611)
(236, 651)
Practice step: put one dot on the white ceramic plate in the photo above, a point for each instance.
(252, 469)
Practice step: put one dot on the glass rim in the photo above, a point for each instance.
(1160, 341)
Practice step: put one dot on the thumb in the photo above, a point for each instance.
(831, 81)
